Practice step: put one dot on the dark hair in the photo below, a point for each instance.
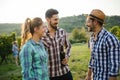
(50, 12)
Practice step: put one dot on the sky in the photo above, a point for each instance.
(16, 11)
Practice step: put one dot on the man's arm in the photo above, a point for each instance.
(67, 45)
(89, 74)
(113, 78)
(114, 56)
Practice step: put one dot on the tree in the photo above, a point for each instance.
(75, 34)
(78, 35)
(116, 31)
(6, 46)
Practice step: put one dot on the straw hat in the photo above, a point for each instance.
(97, 14)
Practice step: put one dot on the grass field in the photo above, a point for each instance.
(78, 63)
(79, 60)
(9, 71)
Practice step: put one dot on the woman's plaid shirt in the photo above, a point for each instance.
(34, 61)
(52, 45)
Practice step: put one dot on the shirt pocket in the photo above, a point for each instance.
(61, 40)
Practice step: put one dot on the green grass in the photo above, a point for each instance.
(9, 70)
(79, 60)
(78, 64)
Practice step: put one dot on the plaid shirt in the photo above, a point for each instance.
(34, 61)
(53, 47)
(105, 55)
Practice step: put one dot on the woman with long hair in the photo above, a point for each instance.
(33, 57)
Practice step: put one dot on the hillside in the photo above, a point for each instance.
(71, 22)
(6, 28)
(68, 23)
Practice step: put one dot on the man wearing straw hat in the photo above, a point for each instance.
(105, 49)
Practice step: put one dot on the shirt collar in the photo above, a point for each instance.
(47, 31)
(101, 32)
(35, 43)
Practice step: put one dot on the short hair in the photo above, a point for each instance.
(50, 12)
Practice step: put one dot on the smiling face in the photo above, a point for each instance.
(90, 24)
(53, 21)
(40, 30)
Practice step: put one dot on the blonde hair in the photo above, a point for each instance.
(27, 29)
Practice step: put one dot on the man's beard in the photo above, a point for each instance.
(91, 29)
(54, 27)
